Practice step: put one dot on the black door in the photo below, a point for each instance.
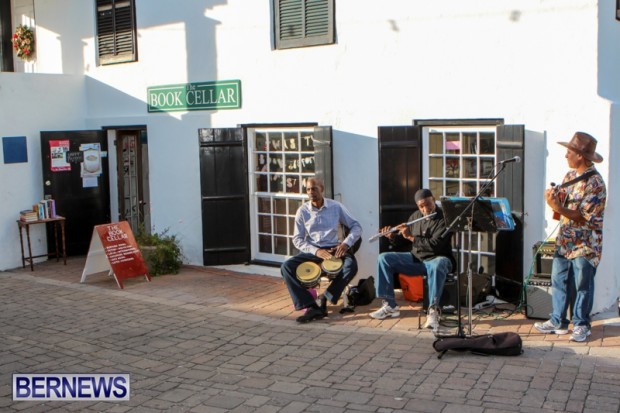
(224, 194)
(400, 176)
(78, 182)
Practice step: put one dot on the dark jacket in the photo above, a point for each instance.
(428, 242)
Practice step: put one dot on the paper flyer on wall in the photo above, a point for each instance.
(58, 155)
(91, 166)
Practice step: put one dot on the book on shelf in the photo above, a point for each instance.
(28, 215)
(42, 210)
(47, 209)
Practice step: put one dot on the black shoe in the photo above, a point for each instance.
(311, 315)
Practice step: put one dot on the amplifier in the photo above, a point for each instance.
(538, 298)
(448, 296)
(543, 258)
(480, 285)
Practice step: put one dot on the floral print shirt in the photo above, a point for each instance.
(585, 239)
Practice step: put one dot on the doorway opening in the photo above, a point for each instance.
(132, 168)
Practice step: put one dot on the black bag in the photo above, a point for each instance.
(363, 294)
(499, 344)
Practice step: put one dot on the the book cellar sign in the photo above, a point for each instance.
(224, 94)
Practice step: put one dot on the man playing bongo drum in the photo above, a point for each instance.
(316, 235)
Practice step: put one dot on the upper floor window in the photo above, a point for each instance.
(116, 31)
(301, 23)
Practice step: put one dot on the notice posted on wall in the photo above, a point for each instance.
(91, 164)
(58, 155)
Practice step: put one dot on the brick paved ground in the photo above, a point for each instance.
(211, 340)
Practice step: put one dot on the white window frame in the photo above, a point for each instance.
(254, 195)
(484, 258)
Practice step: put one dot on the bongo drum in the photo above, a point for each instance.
(332, 266)
(308, 273)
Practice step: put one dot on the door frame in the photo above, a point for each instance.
(113, 163)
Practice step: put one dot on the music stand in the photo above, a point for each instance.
(468, 214)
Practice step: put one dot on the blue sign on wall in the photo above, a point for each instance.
(14, 149)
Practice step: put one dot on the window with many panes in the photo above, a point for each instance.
(116, 31)
(280, 162)
(301, 23)
(461, 161)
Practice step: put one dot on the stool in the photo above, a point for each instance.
(412, 286)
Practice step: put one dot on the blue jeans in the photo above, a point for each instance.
(300, 294)
(390, 264)
(568, 276)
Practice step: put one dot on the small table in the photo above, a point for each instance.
(57, 221)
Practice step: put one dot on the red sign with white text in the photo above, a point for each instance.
(122, 251)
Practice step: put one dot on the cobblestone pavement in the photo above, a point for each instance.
(212, 340)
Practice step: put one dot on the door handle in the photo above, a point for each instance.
(48, 183)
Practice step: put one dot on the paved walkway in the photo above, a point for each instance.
(213, 340)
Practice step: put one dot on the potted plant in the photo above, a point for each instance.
(161, 251)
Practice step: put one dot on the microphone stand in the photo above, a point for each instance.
(470, 222)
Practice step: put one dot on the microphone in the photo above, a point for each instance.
(516, 159)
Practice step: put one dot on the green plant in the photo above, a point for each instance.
(161, 251)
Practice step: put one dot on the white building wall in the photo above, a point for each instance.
(550, 65)
(64, 35)
(30, 104)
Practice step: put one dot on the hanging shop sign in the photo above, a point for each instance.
(224, 94)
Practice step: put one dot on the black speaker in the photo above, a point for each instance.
(480, 289)
(538, 298)
(448, 296)
(508, 290)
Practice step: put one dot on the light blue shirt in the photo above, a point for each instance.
(318, 228)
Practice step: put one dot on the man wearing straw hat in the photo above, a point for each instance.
(580, 205)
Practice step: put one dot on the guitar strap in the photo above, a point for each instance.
(579, 178)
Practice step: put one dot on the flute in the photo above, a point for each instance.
(394, 229)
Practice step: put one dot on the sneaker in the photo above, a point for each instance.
(580, 333)
(432, 319)
(311, 314)
(385, 312)
(549, 328)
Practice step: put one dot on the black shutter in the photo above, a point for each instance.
(224, 194)
(323, 158)
(116, 34)
(509, 244)
(510, 143)
(6, 46)
(400, 174)
(300, 23)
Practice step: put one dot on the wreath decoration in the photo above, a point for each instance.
(23, 42)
